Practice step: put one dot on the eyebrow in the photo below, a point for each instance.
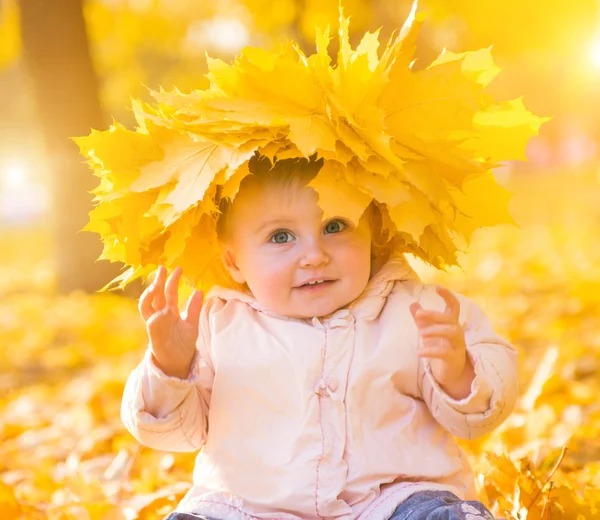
(275, 222)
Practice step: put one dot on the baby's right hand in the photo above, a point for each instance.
(172, 338)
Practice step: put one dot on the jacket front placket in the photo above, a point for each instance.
(338, 348)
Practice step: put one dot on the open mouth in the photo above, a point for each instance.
(317, 284)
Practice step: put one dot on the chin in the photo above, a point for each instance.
(320, 310)
(318, 314)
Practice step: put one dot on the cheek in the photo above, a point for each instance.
(356, 253)
(268, 276)
(361, 265)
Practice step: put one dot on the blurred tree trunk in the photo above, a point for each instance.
(65, 90)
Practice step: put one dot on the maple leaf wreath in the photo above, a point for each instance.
(419, 144)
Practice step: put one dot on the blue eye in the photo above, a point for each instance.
(335, 226)
(279, 237)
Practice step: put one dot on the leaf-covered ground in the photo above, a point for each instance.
(64, 359)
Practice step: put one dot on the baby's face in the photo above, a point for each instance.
(278, 242)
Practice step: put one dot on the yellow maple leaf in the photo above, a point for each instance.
(195, 173)
(476, 65)
(413, 216)
(233, 181)
(503, 131)
(119, 148)
(436, 246)
(482, 202)
(337, 197)
(10, 33)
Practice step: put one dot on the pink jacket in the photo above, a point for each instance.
(322, 418)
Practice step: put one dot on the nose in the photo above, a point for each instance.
(313, 253)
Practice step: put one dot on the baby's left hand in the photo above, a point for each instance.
(444, 345)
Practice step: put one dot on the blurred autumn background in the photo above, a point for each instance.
(65, 350)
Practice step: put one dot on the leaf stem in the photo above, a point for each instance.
(558, 463)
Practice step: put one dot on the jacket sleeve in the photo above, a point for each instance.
(494, 390)
(168, 413)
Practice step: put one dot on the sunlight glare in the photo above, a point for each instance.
(224, 34)
(22, 198)
(596, 54)
(13, 176)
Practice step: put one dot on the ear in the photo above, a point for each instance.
(230, 263)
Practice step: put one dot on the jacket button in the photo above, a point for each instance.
(332, 383)
(327, 387)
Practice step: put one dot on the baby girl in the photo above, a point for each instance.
(331, 383)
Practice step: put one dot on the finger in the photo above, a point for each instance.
(160, 276)
(452, 303)
(451, 332)
(158, 300)
(156, 324)
(156, 274)
(436, 352)
(150, 300)
(145, 303)
(425, 317)
(194, 306)
(414, 308)
(172, 289)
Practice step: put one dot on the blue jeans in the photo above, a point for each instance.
(424, 505)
